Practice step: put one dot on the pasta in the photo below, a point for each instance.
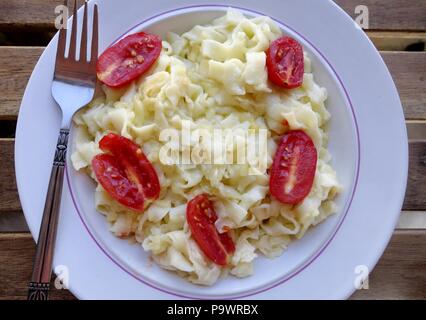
(212, 77)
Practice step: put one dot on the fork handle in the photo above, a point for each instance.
(42, 271)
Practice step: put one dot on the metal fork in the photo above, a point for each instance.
(73, 87)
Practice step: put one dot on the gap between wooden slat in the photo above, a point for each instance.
(14, 222)
(383, 40)
(416, 129)
(398, 41)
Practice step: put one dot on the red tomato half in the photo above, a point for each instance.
(126, 165)
(128, 59)
(285, 63)
(293, 168)
(137, 167)
(113, 179)
(201, 218)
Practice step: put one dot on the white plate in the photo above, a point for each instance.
(368, 142)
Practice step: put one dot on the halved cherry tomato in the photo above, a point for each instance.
(201, 218)
(128, 59)
(113, 179)
(285, 63)
(137, 166)
(126, 163)
(293, 168)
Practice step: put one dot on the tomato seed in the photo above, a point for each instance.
(280, 53)
(140, 59)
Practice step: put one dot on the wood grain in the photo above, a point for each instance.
(399, 274)
(407, 68)
(415, 198)
(14, 221)
(409, 73)
(9, 200)
(416, 130)
(383, 14)
(17, 252)
(390, 14)
(16, 66)
(29, 14)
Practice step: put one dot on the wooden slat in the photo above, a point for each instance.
(399, 274)
(14, 221)
(407, 68)
(16, 66)
(29, 14)
(9, 200)
(409, 73)
(390, 14)
(416, 130)
(383, 14)
(416, 188)
(16, 259)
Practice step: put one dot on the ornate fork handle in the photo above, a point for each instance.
(40, 281)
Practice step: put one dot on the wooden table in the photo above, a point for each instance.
(397, 28)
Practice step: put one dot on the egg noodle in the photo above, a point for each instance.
(212, 77)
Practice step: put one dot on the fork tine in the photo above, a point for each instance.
(95, 36)
(73, 42)
(62, 41)
(82, 71)
(83, 44)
